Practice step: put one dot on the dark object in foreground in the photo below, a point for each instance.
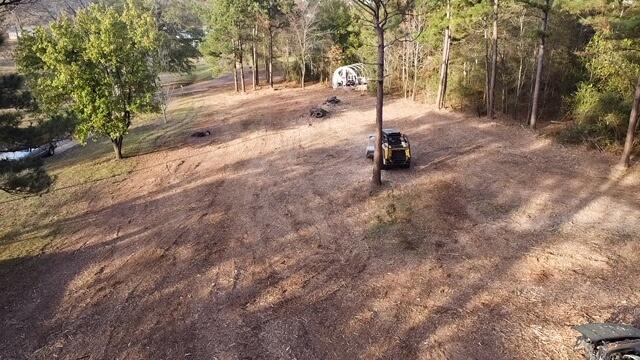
(318, 112)
(333, 100)
(609, 341)
(24, 176)
(201, 134)
(45, 150)
(396, 150)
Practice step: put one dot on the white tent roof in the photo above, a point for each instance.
(354, 73)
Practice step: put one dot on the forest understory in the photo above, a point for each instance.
(262, 241)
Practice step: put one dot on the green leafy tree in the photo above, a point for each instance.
(180, 30)
(273, 14)
(18, 176)
(230, 27)
(605, 99)
(336, 18)
(101, 66)
(23, 128)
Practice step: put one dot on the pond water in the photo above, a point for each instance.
(61, 146)
(14, 155)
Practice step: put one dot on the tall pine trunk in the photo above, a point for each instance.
(265, 52)
(287, 64)
(266, 64)
(270, 69)
(539, 67)
(303, 71)
(404, 68)
(633, 127)
(520, 69)
(505, 106)
(254, 59)
(415, 70)
(518, 88)
(444, 68)
(241, 58)
(465, 72)
(533, 82)
(494, 59)
(377, 155)
(235, 74)
(487, 71)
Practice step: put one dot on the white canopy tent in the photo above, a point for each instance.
(350, 75)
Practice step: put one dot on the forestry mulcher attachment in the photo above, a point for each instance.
(396, 150)
(609, 341)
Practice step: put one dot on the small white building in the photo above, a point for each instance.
(14, 33)
(350, 75)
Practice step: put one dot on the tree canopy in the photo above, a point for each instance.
(100, 65)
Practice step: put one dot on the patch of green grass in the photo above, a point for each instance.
(596, 137)
(30, 224)
(27, 245)
(394, 211)
(33, 223)
(200, 72)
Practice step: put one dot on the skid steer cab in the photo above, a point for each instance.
(609, 341)
(396, 151)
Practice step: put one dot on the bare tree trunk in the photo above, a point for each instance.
(253, 72)
(270, 70)
(504, 98)
(520, 70)
(633, 126)
(494, 59)
(165, 97)
(415, 70)
(117, 147)
(533, 83)
(446, 73)
(287, 64)
(235, 74)
(404, 69)
(444, 69)
(242, 87)
(303, 70)
(465, 72)
(487, 72)
(256, 74)
(536, 90)
(518, 88)
(377, 156)
(265, 52)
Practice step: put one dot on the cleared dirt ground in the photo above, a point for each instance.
(262, 241)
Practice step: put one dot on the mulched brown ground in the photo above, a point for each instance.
(262, 242)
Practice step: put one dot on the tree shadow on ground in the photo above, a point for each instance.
(488, 246)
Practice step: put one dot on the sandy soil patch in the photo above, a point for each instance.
(261, 241)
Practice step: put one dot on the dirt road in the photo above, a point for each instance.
(262, 242)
